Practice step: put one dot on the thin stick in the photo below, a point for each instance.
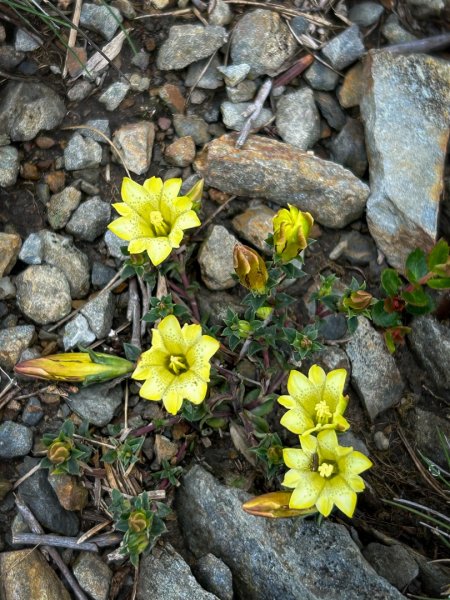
(202, 72)
(35, 527)
(134, 311)
(256, 108)
(73, 33)
(215, 213)
(297, 68)
(199, 16)
(287, 11)
(125, 410)
(170, 13)
(429, 44)
(249, 340)
(56, 541)
(29, 474)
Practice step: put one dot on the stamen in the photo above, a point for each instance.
(323, 412)
(326, 470)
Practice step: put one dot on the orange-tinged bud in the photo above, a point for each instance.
(359, 300)
(138, 521)
(59, 452)
(250, 268)
(275, 505)
(291, 229)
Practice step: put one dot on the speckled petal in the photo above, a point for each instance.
(191, 334)
(156, 385)
(338, 492)
(175, 237)
(328, 444)
(154, 188)
(158, 250)
(201, 352)
(292, 478)
(297, 420)
(334, 387)
(139, 245)
(170, 331)
(354, 463)
(302, 390)
(307, 491)
(192, 387)
(128, 228)
(296, 459)
(172, 401)
(137, 197)
(187, 220)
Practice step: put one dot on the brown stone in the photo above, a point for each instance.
(164, 448)
(75, 59)
(266, 168)
(9, 251)
(29, 171)
(55, 181)
(173, 98)
(44, 142)
(135, 142)
(71, 494)
(352, 89)
(181, 153)
(217, 196)
(255, 225)
(26, 574)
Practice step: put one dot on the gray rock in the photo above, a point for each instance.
(394, 32)
(212, 520)
(9, 165)
(26, 42)
(141, 59)
(28, 108)
(374, 373)
(298, 120)
(210, 80)
(300, 25)
(60, 252)
(359, 249)
(9, 251)
(15, 440)
(101, 274)
(189, 43)
(10, 57)
(13, 341)
(26, 574)
(365, 14)
(214, 575)
(61, 206)
(265, 168)
(232, 115)
(193, 126)
(381, 441)
(32, 251)
(80, 91)
(215, 305)
(102, 125)
(81, 153)
(99, 312)
(32, 413)
(93, 575)
(334, 358)
(77, 333)
(425, 426)
(430, 342)
(216, 258)
(234, 74)
(38, 494)
(406, 96)
(43, 294)
(348, 438)
(96, 403)
(90, 219)
(330, 110)
(394, 563)
(7, 288)
(262, 40)
(424, 9)
(348, 148)
(321, 77)
(114, 245)
(101, 18)
(114, 94)
(333, 327)
(135, 143)
(221, 14)
(243, 92)
(255, 225)
(344, 49)
(163, 575)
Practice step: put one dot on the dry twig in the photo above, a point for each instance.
(253, 112)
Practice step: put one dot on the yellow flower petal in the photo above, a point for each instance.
(187, 220)
(137, 197)
(303, 390)
(341, 495)
(170, 331)
(354, 463)
(309, 443)
(130, 227)
(123, 209)
(172, 401)
(324, 502)
(307, 491)
(191, 334)
(158, 250)
(156, 385)
(334, 387)
(153, 188)
(317, 375)
(296, 459)
(355, 482)
(287, 401)
(170, 190)
(192, 387)
(292, 478)
(201, 352)
(139, 245)
(176, 237)
(297, 421)
(157, 341)
(328, 443)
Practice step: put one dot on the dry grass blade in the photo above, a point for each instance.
(291, 12)
(73, 32)
(239, 440)
(93, 531)
(100, 60)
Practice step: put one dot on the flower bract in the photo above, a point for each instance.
(153, 217)
(250, 268)
(291, 228)
(177, 366)
(315, 402)
(324, 474)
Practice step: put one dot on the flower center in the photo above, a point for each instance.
(326, 470)
(160, 227)
(323, 413)
(177, 364)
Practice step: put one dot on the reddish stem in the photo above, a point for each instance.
(151, 426)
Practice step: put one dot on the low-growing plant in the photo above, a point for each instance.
(64, 453)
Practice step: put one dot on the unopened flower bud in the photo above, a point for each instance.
(250, 268)
(291, 229)
(138, 521)
(138, 542)
(264, 312)
(244, 329)
(195, 195)
(275, 505)
(359, 300)
(59, 452)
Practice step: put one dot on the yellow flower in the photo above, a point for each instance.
(177, 365)
(315, 402)
(78, 367)
(153, 216)
(290, 232)
(250, 268)
(324, 474)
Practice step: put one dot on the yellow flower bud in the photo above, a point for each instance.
(359, 300)
(138, 542)
(290, 232)
(250, 268)
(244, 329)
(59, 452)
(195, 195)
(138, 521)
(275, 505)
(264, 312)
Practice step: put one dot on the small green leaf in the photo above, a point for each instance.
(381, 318)
(439, 283)
(438, 255)
(389, 341)
(352, 324)
(391, 282)
(416, 265)
(131, 352)
(417, 297)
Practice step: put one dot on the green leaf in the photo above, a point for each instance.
(439, 283)
(383, 319)
(391, 282)
(417, 297)
(68, 428)
(352, 324)
(131, 352)
(264, 409)
(389, 341)
(438, 255)
(416, 265)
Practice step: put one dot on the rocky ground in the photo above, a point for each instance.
(357, 136)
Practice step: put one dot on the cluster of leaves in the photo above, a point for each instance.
(140, 521)
(126, 452)
(64, 453)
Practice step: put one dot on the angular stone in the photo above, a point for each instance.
(32, 251)
(189, 43)
(212, 520)
(96, 403)
(298, 120)
(210, 80)
(430, 342)
(43, 294)
(255, 225)
(26, 42)
(181, 153)
(214, 575)
(233, 115)
(262, 40)
(394, 32)
(90, 219)
(234, 74)
(13, 341)
(135, 143)
(114, 244)
(102, 125)
(77, 333)
(216, 259)
(243, 92)
(61, 206)
(93, 575)
(9, 250)
(345, 48)
(172, 97)
(365, 14)
(103, 19)
(82, 153)
(71, 494)
(348, 147)
(352, 89)
(32, 413)
(265, 168)
(7, 288)
(424, 426)
(193, 126)
(374, 373)
(101, 274)
(15, 440)
(114, 94)
(164, 448)
(9, 165)
(321, 77)
(25, 574)
(221, 14)
(99, 312)
(394, 563)
(28, 108)
(406, 112)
